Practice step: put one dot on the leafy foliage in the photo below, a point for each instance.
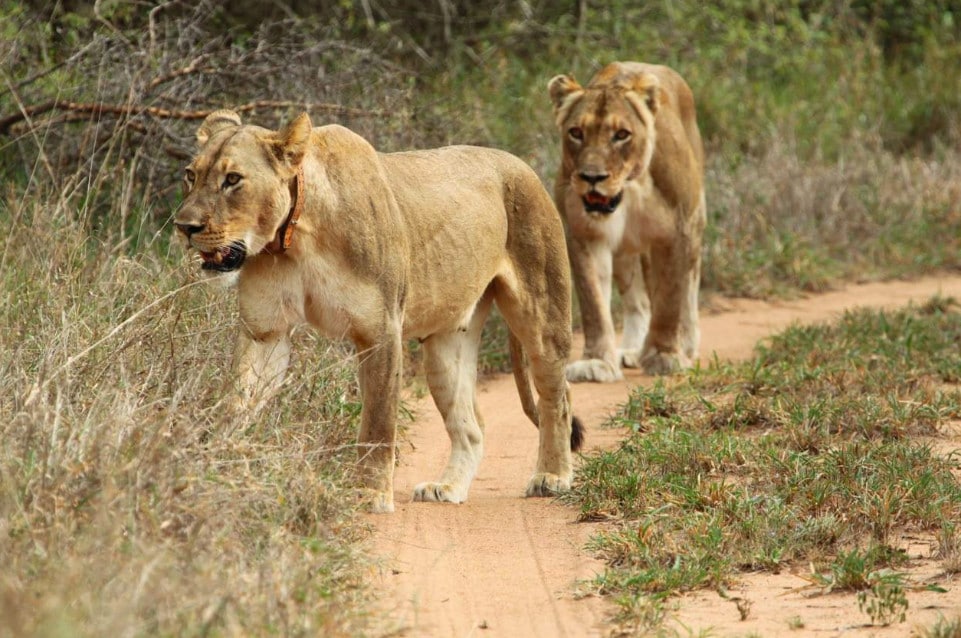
(831, 126)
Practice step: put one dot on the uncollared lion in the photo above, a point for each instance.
(318, 227)
(631, 190)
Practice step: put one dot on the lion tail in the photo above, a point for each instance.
(520, 366)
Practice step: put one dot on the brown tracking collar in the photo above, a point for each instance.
(285, 233)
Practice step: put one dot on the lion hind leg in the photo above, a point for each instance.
(658, 360)
(670, 286)
(554, 470)
(547, 344)
(450, 361)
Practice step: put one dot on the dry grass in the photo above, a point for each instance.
(781, 224)
(128, 504)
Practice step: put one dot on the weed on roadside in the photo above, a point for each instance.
(943, 628)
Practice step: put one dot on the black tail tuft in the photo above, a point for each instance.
(577, 434)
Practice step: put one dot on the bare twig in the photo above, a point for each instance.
(42, 156)
(152, 21)
(193, 67)
(99, 108)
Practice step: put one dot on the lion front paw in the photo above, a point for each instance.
(439, 493)
(630, 358)
(547, 484)
(596, 370)
(664, 363)
(376, 502)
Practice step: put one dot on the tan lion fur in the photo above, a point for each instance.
(414, 245)
(632, 153)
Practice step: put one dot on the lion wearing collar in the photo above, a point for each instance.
(317, 227)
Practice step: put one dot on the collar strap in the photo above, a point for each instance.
(285, 233)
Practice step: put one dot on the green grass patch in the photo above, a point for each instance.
(817, 451)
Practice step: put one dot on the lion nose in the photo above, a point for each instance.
(593, 178)
(189, 229)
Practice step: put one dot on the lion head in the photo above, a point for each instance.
(239, 188)
(608, 135)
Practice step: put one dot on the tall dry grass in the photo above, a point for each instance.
(129, 505)
(780, 224)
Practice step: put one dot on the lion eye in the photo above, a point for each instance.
(621, 135)
(189, 176)
(576, 133)
(232, 179)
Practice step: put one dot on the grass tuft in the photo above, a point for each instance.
(944, 628)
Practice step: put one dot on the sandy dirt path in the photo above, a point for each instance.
(503, 565)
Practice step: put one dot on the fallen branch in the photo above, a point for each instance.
(98, 108)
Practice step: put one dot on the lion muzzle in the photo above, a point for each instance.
(594, 202)
(225, 259)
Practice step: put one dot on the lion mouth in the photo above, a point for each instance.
(594, 202)
(226, 259)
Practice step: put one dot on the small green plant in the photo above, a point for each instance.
(885, 602)
(640, 614)
(949, 547)
(944, 628)
(849, 571)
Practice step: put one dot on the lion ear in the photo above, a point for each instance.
(560, 87)
(214, 122)
(291, 143)
(649, 87)
(564, 90)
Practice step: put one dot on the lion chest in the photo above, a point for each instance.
(333, 300)
(641, 221)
